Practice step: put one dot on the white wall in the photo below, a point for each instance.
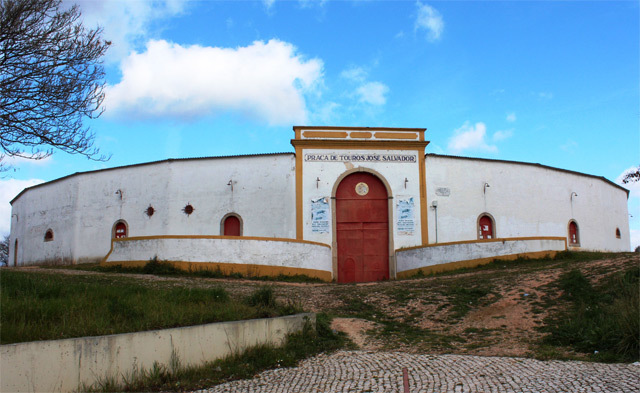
(525, 200)
(64, 365)
(53, 206)
(83, 208)
(290, 255)
(433, 255)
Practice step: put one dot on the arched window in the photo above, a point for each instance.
(48, 235)
(486, 228)
(120, 230)
(574, 233)
(231, 225)
(618, 233)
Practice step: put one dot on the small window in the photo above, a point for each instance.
(231, 225)
(618, 236)
(48, 235)
(120, 230)
(485, 227)
(574, 233)
(15, 253)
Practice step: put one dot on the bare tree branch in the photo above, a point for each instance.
(632, 177)
(51, 78)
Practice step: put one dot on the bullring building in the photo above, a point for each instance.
(351, 204)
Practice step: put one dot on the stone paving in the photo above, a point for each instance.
(363, 371)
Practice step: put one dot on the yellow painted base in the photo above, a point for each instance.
(247, 270)
(473, 263)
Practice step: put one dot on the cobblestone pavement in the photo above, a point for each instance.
(362, 371)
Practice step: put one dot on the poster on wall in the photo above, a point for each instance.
(320, 215)
(405, 215)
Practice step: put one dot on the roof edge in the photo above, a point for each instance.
(536, 165)
(167, 160)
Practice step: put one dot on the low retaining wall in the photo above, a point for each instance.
(448, 256)
(63, 365)
(252, 256)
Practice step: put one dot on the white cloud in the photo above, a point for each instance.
(355, 74)
(511, 117)
(126, 23)
(373, 93)
(268, 3)
(502, 135)
(264, 80)
(367, 92)
(9, 189)
(470, 137)
(634, 187)
(430, 20)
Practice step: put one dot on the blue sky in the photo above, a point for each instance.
(553, 82)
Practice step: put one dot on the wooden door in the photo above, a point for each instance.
(362, 229)
(232, 226)
(486, 227)
(121, 230)
(573, 233)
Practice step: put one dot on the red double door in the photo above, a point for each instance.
(362, 229)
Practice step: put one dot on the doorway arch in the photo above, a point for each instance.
(362, 228)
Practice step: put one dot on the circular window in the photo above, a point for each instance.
(188, 209)
(362, 189)
(149, 211)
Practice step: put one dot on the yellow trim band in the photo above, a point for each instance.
(247, 270)
(324, 134)
(360, 134)
(424, 210)
(358, 144)
(334, 128)
(396, 135)
(299, 203)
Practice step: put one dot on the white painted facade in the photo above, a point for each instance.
(273, 195)
(229, 252)
(82, 209)
(525, 200)
(413, 259)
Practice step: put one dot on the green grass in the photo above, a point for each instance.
(463, 298)
(45, 306)
(602, 320)
(175, 377)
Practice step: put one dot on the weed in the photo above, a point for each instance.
(263, 297)
(463, 298)
(602, 320)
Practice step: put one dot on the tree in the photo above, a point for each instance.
(4, 251)
(51, 77)
(632, 176)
